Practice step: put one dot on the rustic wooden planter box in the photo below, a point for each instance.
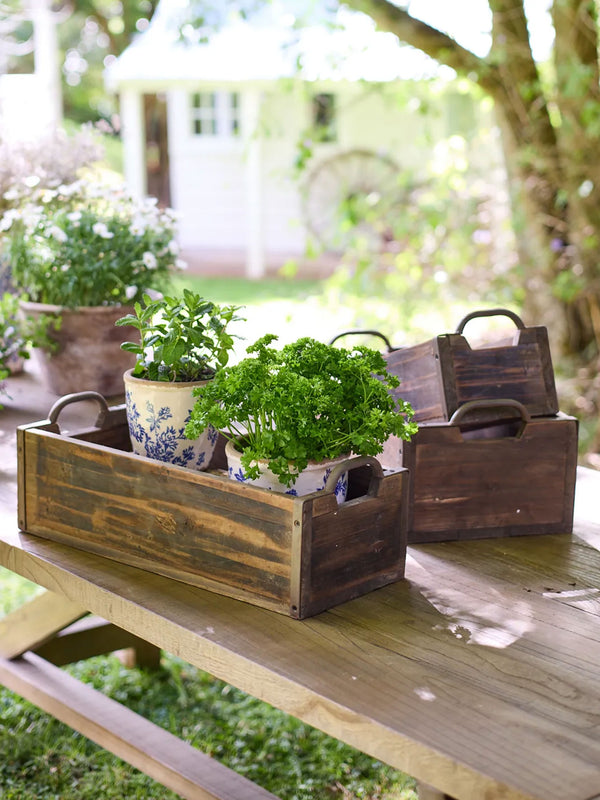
(509, 478)
(297, 556)
(439, 375)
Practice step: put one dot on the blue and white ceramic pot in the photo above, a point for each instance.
(312, 479)
(157, 413)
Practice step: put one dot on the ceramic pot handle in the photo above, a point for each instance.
(353, 463)
(491, 312)
(477, 405)
(68, 399)
(366, 333)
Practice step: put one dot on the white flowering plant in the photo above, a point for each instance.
(86, 244)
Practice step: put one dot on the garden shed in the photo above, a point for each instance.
(215, 127)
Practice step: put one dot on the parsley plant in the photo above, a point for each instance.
(308, 401)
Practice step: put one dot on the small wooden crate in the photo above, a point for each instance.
(295, 555)
(513, 477)
(438, 376)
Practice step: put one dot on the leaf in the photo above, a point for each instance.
(307, 401)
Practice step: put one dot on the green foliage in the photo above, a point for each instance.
(86, 244)
(181, 338)
(18, 333)
(94, 30)
(307, 401)
(425, 247)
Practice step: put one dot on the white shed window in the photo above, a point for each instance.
(324, 117)
(215, 114)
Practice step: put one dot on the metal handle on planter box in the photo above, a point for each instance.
(353, 463)
(366, 333)
(491, 312)
(476, 405)
(103, 417)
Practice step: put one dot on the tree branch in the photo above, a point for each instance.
(434, 43)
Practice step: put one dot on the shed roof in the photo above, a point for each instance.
(267, 47)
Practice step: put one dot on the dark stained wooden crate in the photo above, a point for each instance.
(513, 477)
(295, 555)
(439, 375)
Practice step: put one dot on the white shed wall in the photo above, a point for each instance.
(207, 183)
(210, 177)
(282, 122)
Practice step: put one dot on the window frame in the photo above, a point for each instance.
(215, 114)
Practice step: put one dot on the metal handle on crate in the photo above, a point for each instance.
(491, 312)
(353, 463)
(68, 399)
(474, 405)
(366, 333)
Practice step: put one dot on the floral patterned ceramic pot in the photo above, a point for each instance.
(312, 479)
(157, 413)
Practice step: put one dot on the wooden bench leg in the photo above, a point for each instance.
(62, 632)
(93, 636)
(426, 792)
(36, 622)
(167, 759)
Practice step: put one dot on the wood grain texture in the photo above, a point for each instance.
(284, 553)
(93, 636)
(440, 375)
(421, 381)
(516, 484)
(34, 623)
(477, 674)
(486, 654)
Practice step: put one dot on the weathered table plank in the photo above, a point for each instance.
(477, 674)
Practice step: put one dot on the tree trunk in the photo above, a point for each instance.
(553, 169)
(578, 101)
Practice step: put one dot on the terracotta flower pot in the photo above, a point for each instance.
(157, 412)
(312, 479)
(88, 353)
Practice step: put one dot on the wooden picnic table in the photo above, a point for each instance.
(478, 674)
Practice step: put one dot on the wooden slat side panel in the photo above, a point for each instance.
(521, 372)
(117, 437)
(418, 369)
(440, 375)
(21, 477)
(151, 515)
(470, 488)
(357, 547)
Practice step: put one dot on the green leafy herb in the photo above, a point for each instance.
(18, 333)
(308, 401)
(181, 339)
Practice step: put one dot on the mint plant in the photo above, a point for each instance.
(308, 401)
(181, 339)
